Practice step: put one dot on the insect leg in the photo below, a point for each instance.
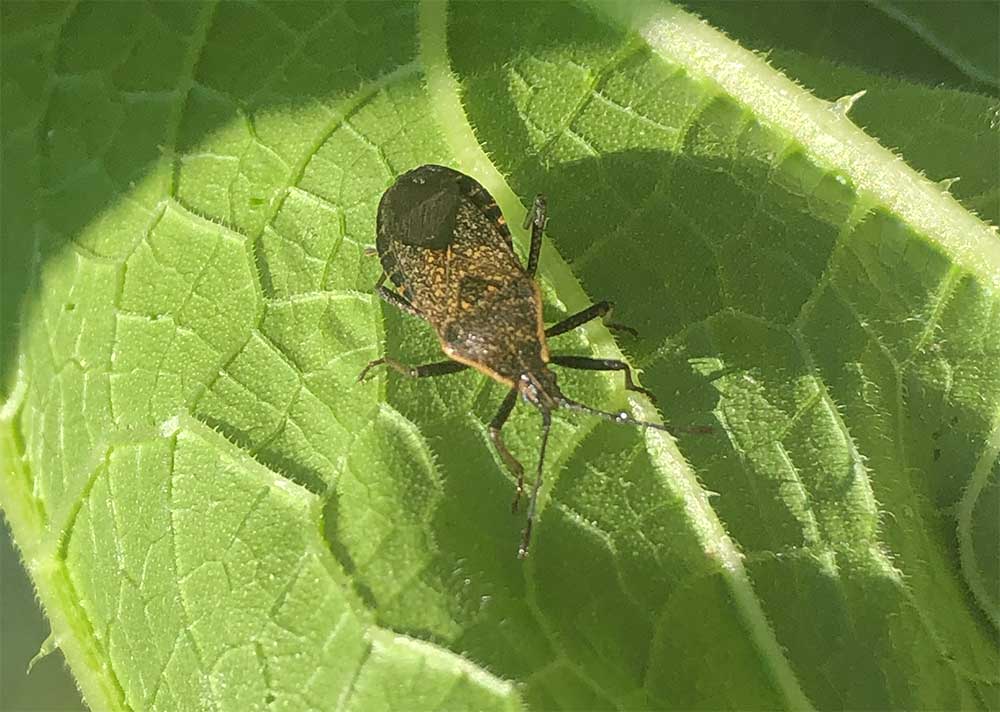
(598, 309)
(512, 464)
(536, 219)
(396, 299)
(441, 368)
(522, 550)
(586, 363)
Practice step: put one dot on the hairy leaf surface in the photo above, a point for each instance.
(215, 513)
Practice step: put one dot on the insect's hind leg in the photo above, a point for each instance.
(586, 363)
(440, 368)
(536, 218)
(497, 439)
(601, 309)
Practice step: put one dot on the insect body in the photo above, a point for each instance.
(444, 244)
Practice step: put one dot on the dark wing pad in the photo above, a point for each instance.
(420, 209)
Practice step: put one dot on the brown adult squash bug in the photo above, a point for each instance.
(445, 245)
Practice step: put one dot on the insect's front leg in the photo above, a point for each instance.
(601, 309)
(522, 551)
(586, 363)
(512, 464)
(395, 299)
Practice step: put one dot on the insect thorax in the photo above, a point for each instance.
(476, 262)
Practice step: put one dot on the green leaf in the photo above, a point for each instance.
(215, 513)
(931, 42)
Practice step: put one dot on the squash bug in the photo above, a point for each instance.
(446, 247)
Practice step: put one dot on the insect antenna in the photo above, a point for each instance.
(522, 550)
(624, 418)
